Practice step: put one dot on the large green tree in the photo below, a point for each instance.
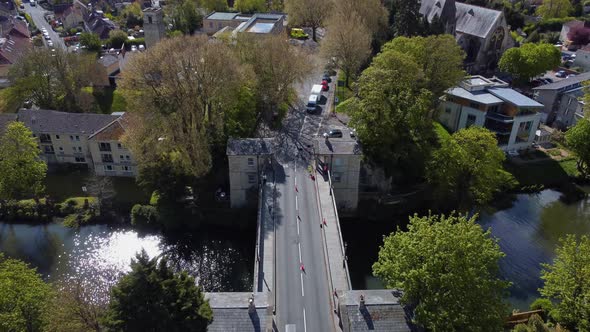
(467, 168)
(567, 283)
(251, 6)
(215, 5)
(440, 58)
(578, 140)
(152, 297)
(447, 267)
(184, 16)
(555, 8)
(52, 80)
(24, 297)
(22, 171)
(91, 41)
(406, 20)
(530, 60)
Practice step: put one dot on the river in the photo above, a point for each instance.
(528, 233)
(220, 260)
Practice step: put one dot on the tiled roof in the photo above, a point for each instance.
(432, 8)
(50, 121)
(381, 312)
(5, 119)
(337, 146)
(250, 146)
(13, 47)
(475, 20)
(112, 131)
(231, 313)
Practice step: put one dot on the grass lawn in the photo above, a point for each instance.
(546, 172)
(343, 92)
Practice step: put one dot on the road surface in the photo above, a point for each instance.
(303, 296)
(38, 15)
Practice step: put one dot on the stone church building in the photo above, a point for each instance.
(483, 33)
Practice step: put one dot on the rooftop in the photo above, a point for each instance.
(231, 312)
(336, 146)
(222, 16)
(514, 97)
(481, 96)
(250, 146)
(474, 20)
(565, 83)
(114, 130)
(49, 121)
(381, 311)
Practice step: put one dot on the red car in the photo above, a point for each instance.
(325, 86)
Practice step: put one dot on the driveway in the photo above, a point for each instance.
(37, 14)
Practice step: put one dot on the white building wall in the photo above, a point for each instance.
(244, 174)
(512, 143)
(480, 117)
(125, 166)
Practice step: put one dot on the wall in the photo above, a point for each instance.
(345, 170)
(212, 26)
(66, 148)
(244, 176)
(566, 114)
(547, 98)
(582, 59)
(512, 143)
(118, 164)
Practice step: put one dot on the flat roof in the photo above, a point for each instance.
(250, 146)
(565, 82)
(337, 146)
(222, 16)
(261, 28)
(480, 96)
(514, 97)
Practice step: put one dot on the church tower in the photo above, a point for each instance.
(153, 26)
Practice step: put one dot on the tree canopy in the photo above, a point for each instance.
(407, 18)
(22, 171)
(308, 13)
(447, 267)
(530, 60)
(117, 38)
(23, 297)
(152, 297)
(578, 140)
(251, 6)
(392, 112)
(215, 5)
(184, 16)
(555, 8)
(567, 283)
(467, 168)
(91, 41)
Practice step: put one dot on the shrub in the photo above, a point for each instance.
(136, 42)
(155, 199)
(78, 205)
(145, 215)
(75, 220)
(544, 304)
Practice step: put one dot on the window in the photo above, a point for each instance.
(121, 157)
(470, 120)
(119, 146)
(448, 110)
(108, 167)
(107, 158)
(250, 161)
(34, 135)
(45, 138)
(80, 159)
(71, 138)
(493, 109)
(336, 177)
(56, 136)
(149, 19)
(211, 25)
(61, 148)
(48, 149)
(126, 168)
(128, 157)
(337, 161)
(74, 148)
(474, 105)
(104, 146)
(79, 149)
(251, 178)
(77, 138)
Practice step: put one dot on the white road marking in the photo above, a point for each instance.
(298, 228)
(304, 321)
(299, 246)
(302, 291)
(296, 206)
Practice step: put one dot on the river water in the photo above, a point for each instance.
(528, 233)
(220, 260)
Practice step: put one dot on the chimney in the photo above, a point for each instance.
(361, 302)
(251, 305)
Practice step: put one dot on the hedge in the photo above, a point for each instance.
(45, 210)
(144, 215)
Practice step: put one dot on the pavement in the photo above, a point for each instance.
(302, 282)
(38, 15)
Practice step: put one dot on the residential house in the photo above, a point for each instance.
(259, 24)
(490, 103)
(15, 41)
(71, 17)
(483, 33)
(247, 159)
(63, 137)
(570, 109)
(7, 8)
(108, 69)
(551, 95)
(97, 23)
(342, 158)
(109, 155)
(583, 58)
(567, 27)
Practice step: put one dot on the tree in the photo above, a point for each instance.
(554, 8)
(52, 80)
(22, 171)
(251, 6)
(131, 15)
(152, 297)
(372, 14)
(567, 283)
(407, 17)
(439, 57)
(91, 41)
(276, 64)
(23, 297)
(102, 188)
(447, 267)
(179, 100)
(309, 13)
(530, 60)
(579, 35)
(117, 38)
(348, 41)
(578, 140)
(215, 5)
(467, 168)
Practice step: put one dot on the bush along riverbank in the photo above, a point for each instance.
(73, 212)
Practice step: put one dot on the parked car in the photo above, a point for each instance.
(334, 133)
(512, 153)
(327, 78)
(22, 6)
(33, 3)
(571, 75)
(561, 74)
(50, 43)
